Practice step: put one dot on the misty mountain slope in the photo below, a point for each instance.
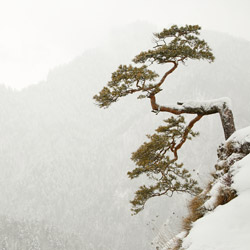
(64, 160)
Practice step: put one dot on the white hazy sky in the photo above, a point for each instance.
(37, 35)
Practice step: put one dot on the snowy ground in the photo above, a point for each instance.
(228, 226)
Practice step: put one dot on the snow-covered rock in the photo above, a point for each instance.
(228, 226)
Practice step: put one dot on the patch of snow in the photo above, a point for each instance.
(213, 193)
(241, 136)
(241, 172)
(172, 243)
(209, 103)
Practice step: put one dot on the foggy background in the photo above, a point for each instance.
(63, 160)
(37, 36)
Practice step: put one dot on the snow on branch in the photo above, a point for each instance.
(221, 106)
(194, 107)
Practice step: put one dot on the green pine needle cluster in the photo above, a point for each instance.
(172, 46)
(177, 45)
(157, 159)
(123, 82)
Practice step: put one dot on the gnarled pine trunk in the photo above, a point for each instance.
(221, 106)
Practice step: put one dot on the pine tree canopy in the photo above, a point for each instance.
(158, 160)
(172, 46)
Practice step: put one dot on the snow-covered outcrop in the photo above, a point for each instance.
(228, 225)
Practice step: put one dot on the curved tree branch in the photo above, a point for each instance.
(167, 73)
(184, 138)
(221, 106)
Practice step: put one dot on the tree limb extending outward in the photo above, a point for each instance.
(221, 106)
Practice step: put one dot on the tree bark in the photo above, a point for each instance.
(227, 120)
(221, 106)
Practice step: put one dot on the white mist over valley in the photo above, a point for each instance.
(64, 161)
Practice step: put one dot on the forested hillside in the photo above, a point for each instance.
(64, 162)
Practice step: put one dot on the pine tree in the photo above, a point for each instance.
(158, 157)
